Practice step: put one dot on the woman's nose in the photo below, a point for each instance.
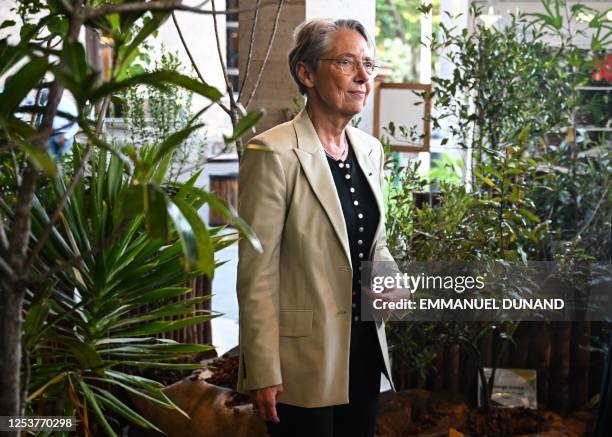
(361, 75)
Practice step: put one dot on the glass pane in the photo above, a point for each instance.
(232, 48)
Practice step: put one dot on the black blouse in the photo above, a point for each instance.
(361, 215)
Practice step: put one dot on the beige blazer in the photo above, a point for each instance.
(295, 297)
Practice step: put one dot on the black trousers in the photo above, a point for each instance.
(355, 419)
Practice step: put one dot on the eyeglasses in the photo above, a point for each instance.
(350, 65)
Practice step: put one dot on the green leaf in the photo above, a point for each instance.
(124, 340)
(91, 400)
(130, 203)
(174, 140)
(185, 232)
(16, 126)
(35, 319)
(161, 170)
(37, 314)
(148, 28)
(7, 23)
(122, 409)
(139, 381)
(21, 83)
(157, 79)
(182, 308)
(226, 211)
(11, 55)
(486, 180)
(198, 248)
(530, 215)
(75, 59)
(26, 30)
(156, 296)
(50, 383)
(85, 354)
(164, 326)
(156, 216)
(91, 136)
(41, 159)
(58, 25)
(246, 123)
(153, 365)
(152, 394)
(178, 348)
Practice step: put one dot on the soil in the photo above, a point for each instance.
(418, 412)
(165, 376)
(224, 373)
(504, 422)
(423, 413)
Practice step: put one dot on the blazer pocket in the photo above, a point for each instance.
(295, 323)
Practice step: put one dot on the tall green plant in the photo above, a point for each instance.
(48, 54)
(576, 190)
(512, 82)
(511, 101)
(94, 321)
(493, 224)
(151, 113)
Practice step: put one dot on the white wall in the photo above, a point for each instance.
(6, 14)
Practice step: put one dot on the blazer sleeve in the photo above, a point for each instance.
(262, 204)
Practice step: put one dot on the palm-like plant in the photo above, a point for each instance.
(101, 316)
(81, 260)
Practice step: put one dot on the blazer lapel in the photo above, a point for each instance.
(314, 163)
(363, 152)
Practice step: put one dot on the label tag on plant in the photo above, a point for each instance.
(512, 388)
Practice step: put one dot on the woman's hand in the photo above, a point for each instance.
(264, 401)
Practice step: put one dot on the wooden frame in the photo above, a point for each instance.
(378, 87)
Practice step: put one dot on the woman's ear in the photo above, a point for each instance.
(305, 76)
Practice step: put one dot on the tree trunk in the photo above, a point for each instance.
(12, 297)
(11, 306)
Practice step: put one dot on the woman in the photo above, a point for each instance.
(310, 364)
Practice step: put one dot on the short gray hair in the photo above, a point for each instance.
(311, 40)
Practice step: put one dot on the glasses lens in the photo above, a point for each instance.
(347, 65)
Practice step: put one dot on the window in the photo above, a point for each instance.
(231, 45)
